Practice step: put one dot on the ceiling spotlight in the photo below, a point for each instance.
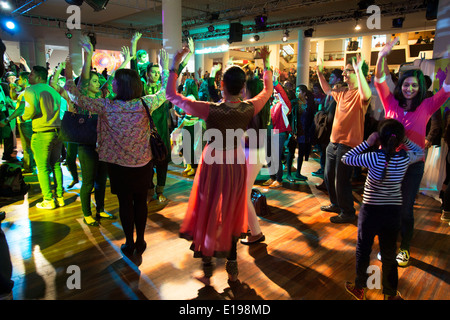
(69, 35)
(260, 22)
(186, 33)
(397, 22)
(308, 33)
(357, 26)
(211, 28)
(285, 36)
(5, 5)
(254, 38)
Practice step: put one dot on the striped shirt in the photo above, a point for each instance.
(379, 190)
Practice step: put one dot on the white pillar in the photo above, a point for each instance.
(442, 37)
(27, 52)
(39, 49)
(304, 46)
(171, 20)
(199, 60)
(320, 53)
(366, 49)
(274, 58)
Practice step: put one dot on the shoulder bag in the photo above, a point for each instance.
(159, 149)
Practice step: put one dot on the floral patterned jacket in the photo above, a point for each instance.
(123, 130)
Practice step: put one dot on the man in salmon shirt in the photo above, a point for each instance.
(347, 132)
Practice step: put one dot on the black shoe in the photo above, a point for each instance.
(127, 249)
(331, 208)
(322, 187)
(140, 248)
(300, 177)
(289, 178)
(343, 218)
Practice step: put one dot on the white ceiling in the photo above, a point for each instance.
(329, 18)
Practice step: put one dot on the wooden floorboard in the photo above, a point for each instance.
(304, 257)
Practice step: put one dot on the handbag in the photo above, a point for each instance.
(259, 201)
(159, 149)
(79, 128)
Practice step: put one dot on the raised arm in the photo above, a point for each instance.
(84, 102)
(196, 108)
(363, 87)
(260, 99)
(188, 55)
(323, 82)
(154, 101)
(89, 49)
(134, 41)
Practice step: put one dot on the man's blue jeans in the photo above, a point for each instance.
(337, 178)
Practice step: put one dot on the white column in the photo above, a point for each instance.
(274, 58)
(320, 53)
(171, 19)
(27, 52)
(442, 37)
(39, 49)
(199, 60)
(304, 46)
(366, 49)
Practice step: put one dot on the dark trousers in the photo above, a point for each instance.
(282, 137)
(410, 188)
(26, 132)
(304, 149)
(71, 159)
(6, 284)
(93, 175)
(384, 222)
(337, 178)
(133, 215)
(161, 168)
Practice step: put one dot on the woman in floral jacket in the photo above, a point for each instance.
(123, 143)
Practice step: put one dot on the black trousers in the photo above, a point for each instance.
(384, 222)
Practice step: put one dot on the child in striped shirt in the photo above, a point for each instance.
(382, 200)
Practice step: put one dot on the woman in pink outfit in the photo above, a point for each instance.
(408, 104)
(217, 212)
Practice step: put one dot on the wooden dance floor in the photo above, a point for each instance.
(304, 257)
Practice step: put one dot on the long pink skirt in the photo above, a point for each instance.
(217, 210)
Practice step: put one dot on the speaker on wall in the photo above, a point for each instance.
(432, 9)
(236, 30)
(98, 5)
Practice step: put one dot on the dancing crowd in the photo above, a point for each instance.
(336, 116)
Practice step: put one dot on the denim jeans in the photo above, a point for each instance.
(410, 188)
(337, 178)
(26, 132)
(47, 153)
(93, 175)
(384, 222)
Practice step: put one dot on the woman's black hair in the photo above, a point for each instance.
(128, 85)
(421, 95)
(391, 134)
(309, 96)
(234, 80)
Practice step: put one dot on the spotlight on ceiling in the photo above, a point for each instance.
(75, 2)
(357, 25)
(308, 33)
(285, 36)
(211, 28)
(69, 34)
(261, 22)
(97, 5)
(5, 5)
(186, 33)
(397, 22)
(254, 38)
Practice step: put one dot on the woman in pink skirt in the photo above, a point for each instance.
(217, 212)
